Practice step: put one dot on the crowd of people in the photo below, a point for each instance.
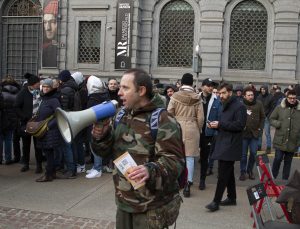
(215, 121)
(39, 97)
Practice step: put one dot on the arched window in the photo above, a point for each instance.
(25, 8)
(248, 36)
(176, 35)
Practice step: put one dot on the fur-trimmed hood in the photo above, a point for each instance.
(283, 104)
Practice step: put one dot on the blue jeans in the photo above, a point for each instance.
(267, 130)
(250, 143)
(287, 157)
(97, 162)
(65, 151)
(190, 164)
(6, 137)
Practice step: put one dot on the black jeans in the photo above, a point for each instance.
(205, 149)
(279, 156)
(226, 179)
(50, 161)
(26, 139)
(16, 144)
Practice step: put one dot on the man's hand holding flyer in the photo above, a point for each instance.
(125, 164)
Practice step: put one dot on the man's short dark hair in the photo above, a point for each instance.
(112, 79)
(156, 81)
(291, 92)
(227, 86)
(142, 78)
(247, 89)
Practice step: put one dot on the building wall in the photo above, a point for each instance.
(212, 23)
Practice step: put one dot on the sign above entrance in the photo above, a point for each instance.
(123, 35)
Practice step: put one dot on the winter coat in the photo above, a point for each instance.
(255, 119)
(186, 106)
(9, 118)
(52, 139)
(24, 105)
(114, 96)
(97, 98)
(267, 101)
(213, 114)
(80, 98)
(286, 120)
(229, 141)
(67, 92)
(163, 157)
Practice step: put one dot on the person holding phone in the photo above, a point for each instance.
(211, 108)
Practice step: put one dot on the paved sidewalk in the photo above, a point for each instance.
(18, 218)
(89, 203)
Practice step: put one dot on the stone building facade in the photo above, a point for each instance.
(239, 40)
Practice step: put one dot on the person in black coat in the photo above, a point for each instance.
(27, 103)
(52, 139)
(67, 90)
(9, 119)
(228, 146)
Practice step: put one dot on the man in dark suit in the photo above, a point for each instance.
(228, 146)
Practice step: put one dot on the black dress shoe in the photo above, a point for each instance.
(228, 202)
(44, 178)
(202, 185)
(68, 175)
(213, 206)
(25, 168)
(186, 190)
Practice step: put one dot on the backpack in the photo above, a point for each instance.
(182, 179)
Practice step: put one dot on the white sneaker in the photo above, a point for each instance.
(94, 174)
(89, 171)
(80, 168)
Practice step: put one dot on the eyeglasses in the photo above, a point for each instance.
(292, 98)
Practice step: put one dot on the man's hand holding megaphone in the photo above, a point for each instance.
(101, 128)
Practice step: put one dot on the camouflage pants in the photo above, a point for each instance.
(125, 220)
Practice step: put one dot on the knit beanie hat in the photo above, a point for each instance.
(31, 79)
(78, 77)
(51, 7)
(48, 82)
(187, 79)
(64, 75)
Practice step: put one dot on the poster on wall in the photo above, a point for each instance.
(123, 35)
(50, 44)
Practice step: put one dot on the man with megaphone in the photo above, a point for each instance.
(159, 159)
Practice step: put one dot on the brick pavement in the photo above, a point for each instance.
(12, 218)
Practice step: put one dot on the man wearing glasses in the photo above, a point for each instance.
(286, 119)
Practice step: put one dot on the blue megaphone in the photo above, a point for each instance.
(71, 123)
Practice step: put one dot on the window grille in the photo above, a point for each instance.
(89, 42)
(176, 35)
(248, 36)
(25, 8)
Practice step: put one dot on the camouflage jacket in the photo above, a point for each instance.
(164, 157)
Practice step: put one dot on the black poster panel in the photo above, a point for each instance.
(50, 44)
(123, 35)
